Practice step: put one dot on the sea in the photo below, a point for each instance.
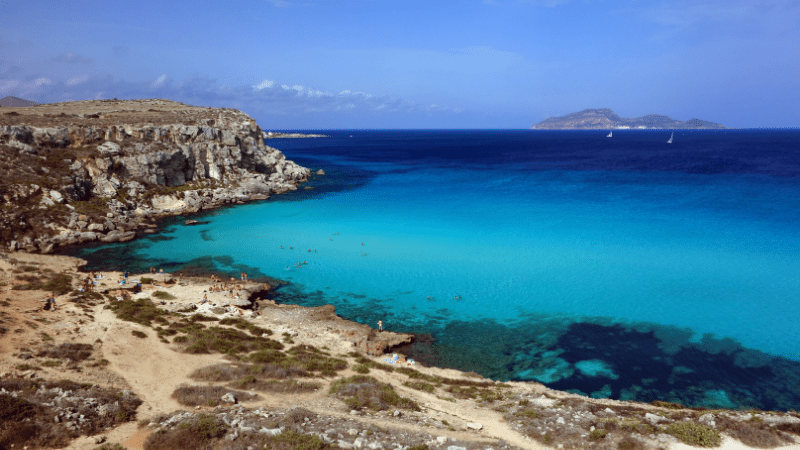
(623, 267)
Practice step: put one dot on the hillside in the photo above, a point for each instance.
(98, 170)
(606, 119)
(15, 102)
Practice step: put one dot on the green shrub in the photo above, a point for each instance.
(362, 391)
(161, 295)
(420, 386)
(361, 368)
(142, 311)
(528, 414)
(667, 405)
(51, 363)
(145, 280)
(15, 409)
(139, 334)
(694, 434)
(597, 434)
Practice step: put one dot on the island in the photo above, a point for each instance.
(606, 119)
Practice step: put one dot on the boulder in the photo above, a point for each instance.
(320, 172)
(109, 149)
(57, 197)
(229, 398)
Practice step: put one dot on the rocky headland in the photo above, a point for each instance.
(606, 119)
(87, 171)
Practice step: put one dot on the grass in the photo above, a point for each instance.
(161, 295)
(51, 363)
(208, 395)
(362, 391)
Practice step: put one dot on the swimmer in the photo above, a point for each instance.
(362, 243)
(290, 247)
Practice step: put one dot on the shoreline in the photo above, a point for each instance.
(321, 327)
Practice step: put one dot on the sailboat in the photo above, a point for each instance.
(670, 138)
(609, 133)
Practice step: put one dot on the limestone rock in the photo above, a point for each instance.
(109, 149)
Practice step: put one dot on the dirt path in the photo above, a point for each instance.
(151, 368)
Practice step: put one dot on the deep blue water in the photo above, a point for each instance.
(619, 267)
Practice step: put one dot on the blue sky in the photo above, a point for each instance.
(307, 64)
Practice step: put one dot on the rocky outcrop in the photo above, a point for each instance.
(129, 172)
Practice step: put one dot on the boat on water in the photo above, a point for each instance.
(670, 138)
(609, 133)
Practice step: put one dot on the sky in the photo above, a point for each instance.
(355, 64)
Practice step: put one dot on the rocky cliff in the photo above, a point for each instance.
(606, 119)
(97, 170)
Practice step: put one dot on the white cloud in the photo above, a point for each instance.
(159, 81)
(293, 102)
(266, 84)
(78, 79)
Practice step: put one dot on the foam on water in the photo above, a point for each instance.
(518, 260)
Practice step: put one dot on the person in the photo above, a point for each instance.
(137, 288)
(380, 325)
(52, 301)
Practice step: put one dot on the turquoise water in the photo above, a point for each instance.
(569, 268)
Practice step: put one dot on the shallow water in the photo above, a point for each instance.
(622, 267)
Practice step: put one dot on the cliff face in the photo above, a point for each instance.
(606, 119)
(98, 170)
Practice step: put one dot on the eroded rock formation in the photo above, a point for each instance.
(100, 169)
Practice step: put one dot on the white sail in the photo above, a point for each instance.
(609, 133)
(670, 138)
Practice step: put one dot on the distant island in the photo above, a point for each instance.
(15, 102)
(606, 119)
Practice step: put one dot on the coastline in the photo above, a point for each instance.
(170, 206)
(456, 416)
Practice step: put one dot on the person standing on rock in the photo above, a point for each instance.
(380, 325)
